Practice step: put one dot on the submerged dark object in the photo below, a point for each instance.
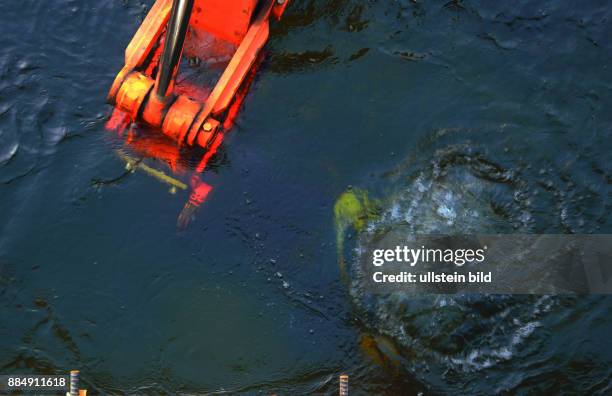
(443, 340)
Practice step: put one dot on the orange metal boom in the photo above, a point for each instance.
(187, 113)
(244, 23)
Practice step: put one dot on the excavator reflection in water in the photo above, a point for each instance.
(178, 166)
(193, 107)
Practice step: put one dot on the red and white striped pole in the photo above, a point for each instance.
(344, 385)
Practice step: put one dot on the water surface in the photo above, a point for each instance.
(96, 276)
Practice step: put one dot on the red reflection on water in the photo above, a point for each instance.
(150, 144)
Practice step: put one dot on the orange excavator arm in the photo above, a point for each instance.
(144, 88)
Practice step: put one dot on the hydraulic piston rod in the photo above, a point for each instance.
(173, 45)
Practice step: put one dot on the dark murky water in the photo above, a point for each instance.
(249, 299)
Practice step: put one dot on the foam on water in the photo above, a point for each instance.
(462, 333)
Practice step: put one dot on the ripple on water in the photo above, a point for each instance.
(7, 151)
(31, 123)
(461, 191)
